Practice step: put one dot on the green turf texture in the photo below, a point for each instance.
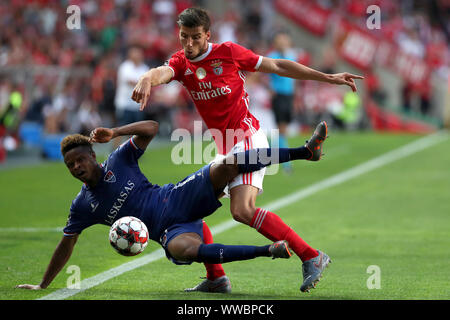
(396, 217)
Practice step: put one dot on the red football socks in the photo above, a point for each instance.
(272, 227)
(213, 271)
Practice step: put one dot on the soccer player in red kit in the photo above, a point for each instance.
(213, 75)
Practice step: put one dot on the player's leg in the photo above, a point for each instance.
(267, 223)
(192, 234)
(186, 246)
(213, 270)
(244, 190)
(258, 158)
(243, 196)
(222, 172)
(282, 140)
(274, 228)
(190, 247)
(283, 118)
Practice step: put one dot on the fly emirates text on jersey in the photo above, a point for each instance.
(208, 92)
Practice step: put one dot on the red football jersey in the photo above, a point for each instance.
(215, 82)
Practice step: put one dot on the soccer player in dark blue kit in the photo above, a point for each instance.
(172, 213)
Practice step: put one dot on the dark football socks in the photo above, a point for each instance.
(219, 253)
(256, 159)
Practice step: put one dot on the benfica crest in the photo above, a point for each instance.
(217, 68)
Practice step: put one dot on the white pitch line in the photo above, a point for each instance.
(104, 276)
(391, 156)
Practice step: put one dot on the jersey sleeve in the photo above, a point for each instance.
(177, 64)
(128, 153)
(244, 58)
(76, 224)
(78, 220)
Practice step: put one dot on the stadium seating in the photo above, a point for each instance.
(51, 146)
(31, 133)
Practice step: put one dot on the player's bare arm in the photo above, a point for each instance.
(143, 132)
(152, 78)
(59, 259)
(291, 69)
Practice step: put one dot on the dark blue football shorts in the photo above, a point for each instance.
(177, 229)
(188, 202)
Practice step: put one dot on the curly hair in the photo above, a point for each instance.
(74, 140)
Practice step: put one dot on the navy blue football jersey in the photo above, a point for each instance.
(124, 191)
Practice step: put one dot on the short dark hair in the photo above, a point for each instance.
(194, 17)
(135, 45)
(73, 141)
(280, 32)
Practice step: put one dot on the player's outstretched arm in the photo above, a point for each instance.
(152, 78)
(292, 69)
(59, 259)
(143, 132)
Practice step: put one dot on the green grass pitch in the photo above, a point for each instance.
(396, 217)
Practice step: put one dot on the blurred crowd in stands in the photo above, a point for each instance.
(419, 28)
(68, 80)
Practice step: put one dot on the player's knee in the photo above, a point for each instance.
(189, 253)
(243, 213)
(186, 254)
(183, 249)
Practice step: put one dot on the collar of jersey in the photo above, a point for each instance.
(203, 56)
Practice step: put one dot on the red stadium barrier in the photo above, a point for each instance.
(382, 120)
(309, 15)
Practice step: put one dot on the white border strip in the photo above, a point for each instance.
(399, 153)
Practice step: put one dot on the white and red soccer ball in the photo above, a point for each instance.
(128, 236)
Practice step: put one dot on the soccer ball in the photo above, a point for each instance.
(129, 236)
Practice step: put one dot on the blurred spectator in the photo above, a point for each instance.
(260, 102)
(226, 28)
(10, 112)
(128, 75)
(421, 92)
(42, 100)
(374, 89)
(165, 101)
(38, 52)
(165, 12)
(410, 43)
(349, 113)
(5, 90)
(103, 89)
(87, 118)
(282, 90)
(56, 114)
(2, 148)
(11, 108)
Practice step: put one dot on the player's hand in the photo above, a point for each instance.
(141, 92)
(101, 135)
(345, 78)
(29, 287)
